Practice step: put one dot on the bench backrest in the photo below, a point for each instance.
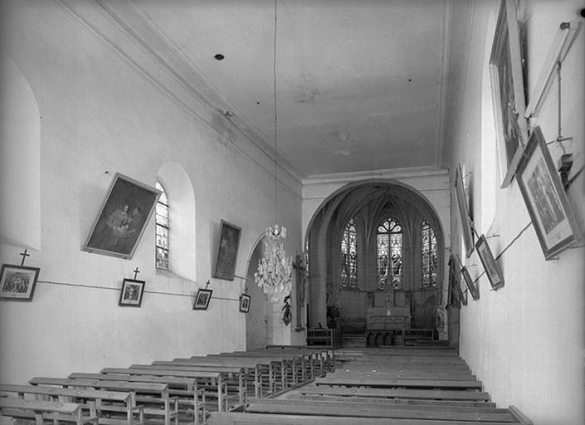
(70, 392)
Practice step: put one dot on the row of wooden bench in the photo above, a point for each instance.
(164, 389)
(397, 386)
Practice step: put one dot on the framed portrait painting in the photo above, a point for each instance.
(202, 299)
(545, 198)
(131, 293)
(489, 263)
(244, 303)
(227, 251)
(471, 286)
(466, 225)
(122, 218)
(506, 71)
(18, 282)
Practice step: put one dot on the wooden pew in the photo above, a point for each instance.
(232, 375)
(262, 370)
(240, 418)
(55, 410)
(407, 374)
(154, 397)
(185, 389)
(98, 402)
(375, 382)
(202, 379)
(359, 409)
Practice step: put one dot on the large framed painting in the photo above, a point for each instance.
(545, 198)
(18, 282)
(122, 218)
(506, 71)
(489, 263)
(227, 251)
(466, 225)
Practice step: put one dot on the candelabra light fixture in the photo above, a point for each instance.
(274, 273)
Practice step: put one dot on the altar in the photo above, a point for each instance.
(387, 325)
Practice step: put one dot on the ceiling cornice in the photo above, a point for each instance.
(125, 32)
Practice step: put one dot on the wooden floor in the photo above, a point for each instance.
(427, 385)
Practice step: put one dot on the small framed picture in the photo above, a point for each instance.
(489, 263)
(18, 282)
(469, 282)
(202, 299)
(244, 303)
(131, 293)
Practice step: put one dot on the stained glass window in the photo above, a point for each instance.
(429, 255)
(162, 229)
(389, 242)
(349, 256)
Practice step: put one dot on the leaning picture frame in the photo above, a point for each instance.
(202, 299)
(466, 224)
(471, 286)
(488, 261)
(245, 303)
(131, 293)
(549, 208)
(227, 251)
(123, 216)
(509, 102)
(18, 283)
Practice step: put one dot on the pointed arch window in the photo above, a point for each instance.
(349, 256)
(389, 244)
(162, 229)
(429, 255)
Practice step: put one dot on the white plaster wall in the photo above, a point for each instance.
(99, 115)
(525, 341)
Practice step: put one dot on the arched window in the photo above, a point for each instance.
(389, 243)
(349, 256)
(429, 255)
(162, 229)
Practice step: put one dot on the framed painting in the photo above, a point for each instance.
(244, 303)
(545, 198)
(131, 293)
(202, 299)
(473, 289)
(506, 72)
(18, 282)
(227, 251)
(466, 224)
(489, 263)
(122, 218)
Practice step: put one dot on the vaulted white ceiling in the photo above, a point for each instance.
(358, 85)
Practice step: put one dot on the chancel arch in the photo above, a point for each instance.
(375, 249)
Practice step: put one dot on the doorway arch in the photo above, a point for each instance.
(368, 203)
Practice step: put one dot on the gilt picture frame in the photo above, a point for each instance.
(471, 286)
(549, 208)
(202, 299)
(227, 251)
(465, 219)
(509, 101)
(245, 303)
(18, 283)
(123, 216)
(490, 266)
(131, 293)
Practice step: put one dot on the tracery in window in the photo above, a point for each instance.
(389, 243)
(349, 256)
(429, 255)
(162, 229)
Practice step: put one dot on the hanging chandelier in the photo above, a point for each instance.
(274, 273)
